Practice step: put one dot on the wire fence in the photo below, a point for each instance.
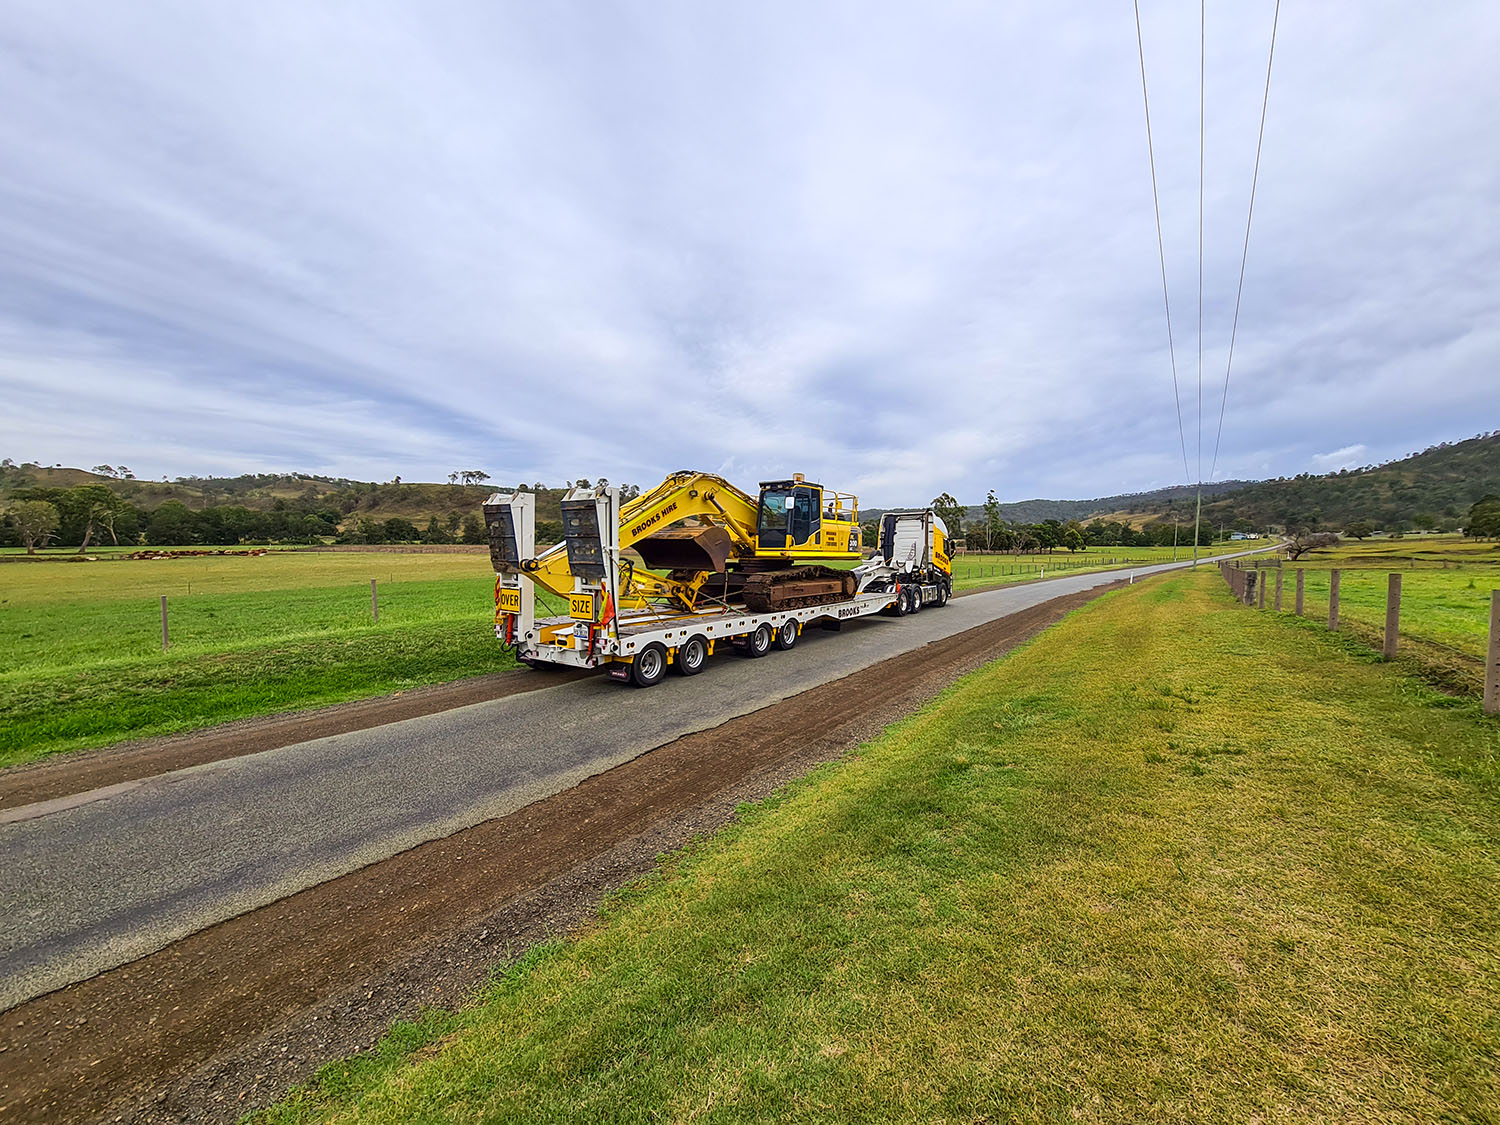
(1262, 584)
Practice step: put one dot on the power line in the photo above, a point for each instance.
(1202, 57)
(1245, 253)
(1162, 254)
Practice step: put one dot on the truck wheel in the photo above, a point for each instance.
(916, 600)
(758, 643)
(650, 666)
(786, 636)
(692, 654)
(942, 595)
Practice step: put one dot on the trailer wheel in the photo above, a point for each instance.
(758, 643)
(692, 654)
(650, 666)
(786, 636)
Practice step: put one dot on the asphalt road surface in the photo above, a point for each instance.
(105, 877)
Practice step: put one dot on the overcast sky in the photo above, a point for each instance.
(903, 248)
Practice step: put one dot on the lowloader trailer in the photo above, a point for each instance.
(738, 575)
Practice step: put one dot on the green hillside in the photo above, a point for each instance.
(277, 507)
(1434, 488)
(1431, 489)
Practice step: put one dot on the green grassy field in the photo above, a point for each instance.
(1446, 582)
(1172, 861)
(1451, 607)
(82, 663)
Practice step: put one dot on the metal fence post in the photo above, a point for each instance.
(1392, 615)
(1278, 589)
(374, 603)
(1301, 574)
(1333, 600)
(1492, 665)
(164, 641)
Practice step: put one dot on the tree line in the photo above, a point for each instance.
(991, 532)
(93, 515)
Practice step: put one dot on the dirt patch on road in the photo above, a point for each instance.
(228, 1018)
(81, 771)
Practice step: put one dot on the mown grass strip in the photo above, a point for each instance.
(1176, 860)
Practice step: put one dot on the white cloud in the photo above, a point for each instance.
(904, 250)
(1350, 457)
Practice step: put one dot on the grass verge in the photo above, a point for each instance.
(94, 705)
(1173, 861)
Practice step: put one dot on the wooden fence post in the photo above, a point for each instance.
(374, 603)
(1333, 600)
(1392, 615)
(1301, 574)
(1260, 596)
(1278, 589)
(1492, 665)
(164, 641)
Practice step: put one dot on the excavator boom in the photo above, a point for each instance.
(694, 526)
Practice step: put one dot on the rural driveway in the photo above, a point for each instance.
(131, 868)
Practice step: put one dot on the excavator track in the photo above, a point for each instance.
(795, 587)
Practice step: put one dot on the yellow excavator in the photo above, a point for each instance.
(657, 581)
(695, 537)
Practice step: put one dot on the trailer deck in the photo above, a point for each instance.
(563, 640)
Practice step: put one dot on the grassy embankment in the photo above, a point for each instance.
(975, 571)
(82, 663)
(1174, 861)
(1446, 583)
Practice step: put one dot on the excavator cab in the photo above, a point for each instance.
(797, 517)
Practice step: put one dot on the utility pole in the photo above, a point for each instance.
(1197, 518)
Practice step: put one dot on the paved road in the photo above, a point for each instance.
(139, 865)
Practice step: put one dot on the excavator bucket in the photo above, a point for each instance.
(687, 548)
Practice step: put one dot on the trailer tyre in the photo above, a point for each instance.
(786, 636)
(649, 667)
(692, 655)
(759, 642)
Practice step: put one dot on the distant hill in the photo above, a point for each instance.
(1151, 503)
(1129, 507)
(1433, 488)
(264, 492)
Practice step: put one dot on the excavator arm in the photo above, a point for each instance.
(726, 529)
